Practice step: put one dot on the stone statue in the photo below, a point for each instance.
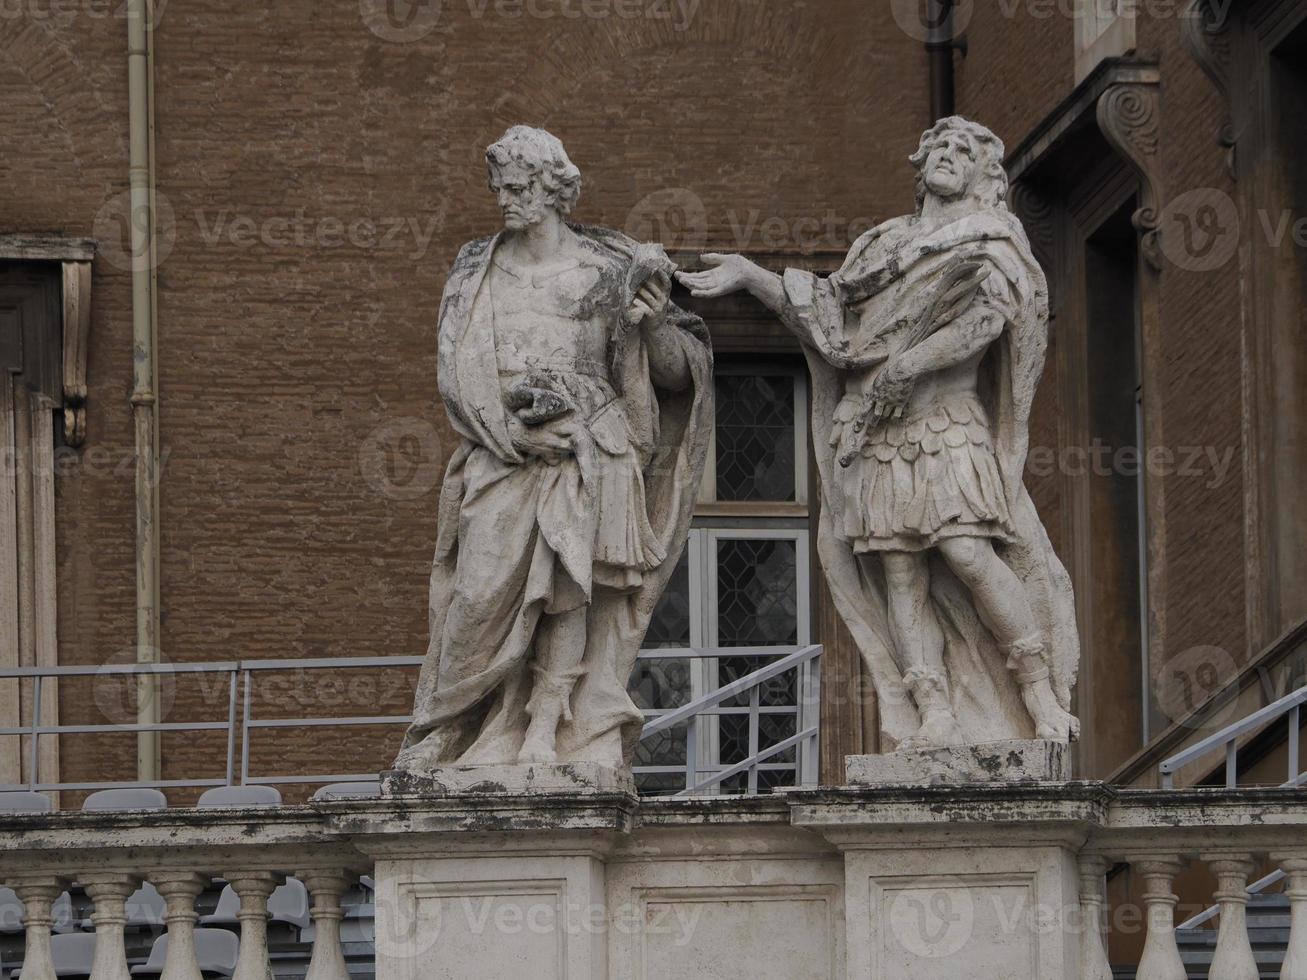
(925, 350)
(584, 402)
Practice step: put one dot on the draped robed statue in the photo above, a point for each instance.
(925, 350)
(583, 399)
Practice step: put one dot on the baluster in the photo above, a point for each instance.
(1094, 964)
(1234, 958)
(253, 889)
(1161, 959)
(1295, 960)
(179, 890)
(38, 893)
(109, 890)
(328, 959)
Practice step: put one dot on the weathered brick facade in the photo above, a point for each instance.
(318, 168)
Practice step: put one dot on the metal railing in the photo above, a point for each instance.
(240, 695)
(707, 774)
(237, 725)
(1228, 740)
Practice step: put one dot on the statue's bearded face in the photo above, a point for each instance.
(521, 194)
(950, 167)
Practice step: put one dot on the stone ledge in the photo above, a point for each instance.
(1009, 761)
(559, 779)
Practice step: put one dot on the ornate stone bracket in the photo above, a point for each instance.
(1129, 118)
(75, 256)
(1205, 28)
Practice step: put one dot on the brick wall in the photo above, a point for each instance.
(296, 354)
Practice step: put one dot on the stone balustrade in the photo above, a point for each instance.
(925, 882)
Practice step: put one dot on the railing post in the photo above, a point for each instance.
(1295, 959)
(179, 890)
(691, 753)
(328, 959)
(1234, 958)
(253, 889)
(1161, 959)
(1094, 964)
(38, 893)
(109, 890)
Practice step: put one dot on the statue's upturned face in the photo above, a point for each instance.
(951, 166)
(521, 194)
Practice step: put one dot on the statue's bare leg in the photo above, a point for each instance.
(919, 644)
(1001, 601)
(559, 648)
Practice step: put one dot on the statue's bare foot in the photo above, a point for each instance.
(537, 751)
(938, 730)
(939, 727)
(1052, 722)
(423, 757)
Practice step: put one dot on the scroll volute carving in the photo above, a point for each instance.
(1205, 28)
(1039, 216)
(1129, 117)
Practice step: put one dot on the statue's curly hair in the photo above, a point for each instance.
(990, 186)
(541, 153)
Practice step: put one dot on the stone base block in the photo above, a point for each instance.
(563, 779)
(1014, 761)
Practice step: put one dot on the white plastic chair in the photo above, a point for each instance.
(72, 954)
(126, 799)
(215, 952)
(225, 796)
(22, 801)
(348, 791)
(288, 904)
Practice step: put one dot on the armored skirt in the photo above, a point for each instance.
(924, 479)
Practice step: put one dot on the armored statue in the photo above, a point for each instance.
(925, 350)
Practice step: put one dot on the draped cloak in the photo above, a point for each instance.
(484, 688)
(850, 323)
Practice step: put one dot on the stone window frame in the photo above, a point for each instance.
(1102, 33)
(1110, 124)
(33, 420)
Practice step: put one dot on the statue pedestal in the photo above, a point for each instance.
(1013, 761)
(567, 778)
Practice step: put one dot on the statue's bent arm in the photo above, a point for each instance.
(952, 344)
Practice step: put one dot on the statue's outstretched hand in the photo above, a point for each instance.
(725, 274)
